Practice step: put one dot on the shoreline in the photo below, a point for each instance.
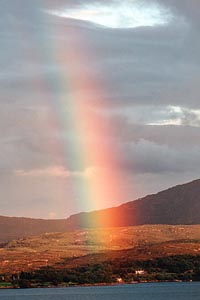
(10, 287)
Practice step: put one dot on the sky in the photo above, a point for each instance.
(99, 102)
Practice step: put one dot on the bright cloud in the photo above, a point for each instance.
(128, 14)
(57, 171)
(178, 116)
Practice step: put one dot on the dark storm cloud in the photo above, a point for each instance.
(172, 136)
(147, 157)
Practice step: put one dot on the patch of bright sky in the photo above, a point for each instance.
(178, 116)
(161, 116)
(123, 14)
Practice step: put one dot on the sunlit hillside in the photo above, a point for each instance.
(88, 246)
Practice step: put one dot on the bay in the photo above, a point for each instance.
(144, 291)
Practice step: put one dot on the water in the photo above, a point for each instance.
(146, 291)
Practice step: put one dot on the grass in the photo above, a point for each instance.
(96, 245)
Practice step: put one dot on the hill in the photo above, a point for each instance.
(87, 247)
(16, 227)
(175, 206)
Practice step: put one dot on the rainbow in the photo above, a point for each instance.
(96, 181)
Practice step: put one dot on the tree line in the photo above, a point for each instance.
(178, 267)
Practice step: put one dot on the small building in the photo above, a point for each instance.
(119, 280)
(140, 272)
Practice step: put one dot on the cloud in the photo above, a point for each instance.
(56, 171)
(157, 65)
(118, 15)
(52, 215)
(178, 116)
(145, 83)
(148, 157)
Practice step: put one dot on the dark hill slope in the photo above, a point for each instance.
(13, 227)
(177, 205)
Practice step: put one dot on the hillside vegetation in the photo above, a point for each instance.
(70, 249)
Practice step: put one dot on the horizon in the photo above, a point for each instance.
(80, 212)
(99, 103)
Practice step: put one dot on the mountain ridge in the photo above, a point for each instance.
(178, 205)
(19, 227)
